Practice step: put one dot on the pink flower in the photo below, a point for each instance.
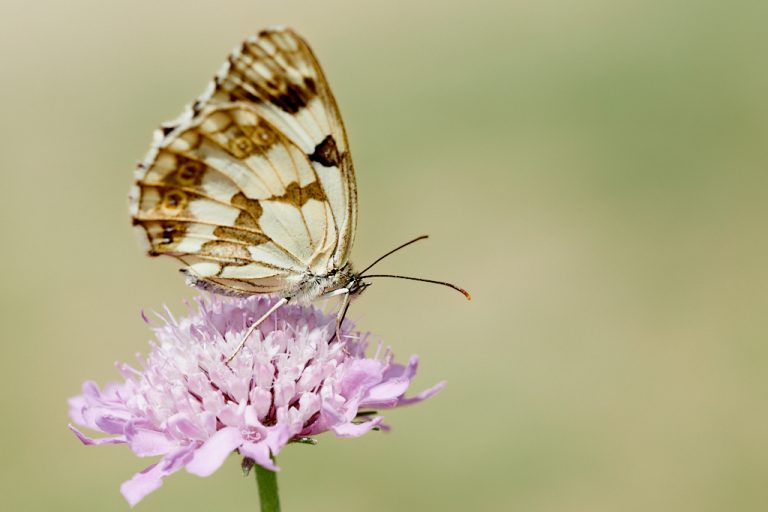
(190, 406)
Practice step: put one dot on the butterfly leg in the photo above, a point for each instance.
(340, 319)
(254, 325)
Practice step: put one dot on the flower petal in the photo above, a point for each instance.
(146, 442)
(356, 429)
(259, 452)
(88, 441)
(278, 437)
(111, 423)
(151, 478)
(423, 395)
(385, 394)
(398, 370)
(182, 427)
(360, 374)
(77, 405)
(212, 454)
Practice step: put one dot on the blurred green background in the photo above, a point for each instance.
(593, 172)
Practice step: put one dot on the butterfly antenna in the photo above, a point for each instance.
(406, 244)
(443, 283)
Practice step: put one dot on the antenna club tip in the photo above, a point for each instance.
(466, 294)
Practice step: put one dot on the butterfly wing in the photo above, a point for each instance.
(253, 185)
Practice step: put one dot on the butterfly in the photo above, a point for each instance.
(252, 187)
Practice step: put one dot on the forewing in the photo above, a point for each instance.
(277, 72)
(253, 184)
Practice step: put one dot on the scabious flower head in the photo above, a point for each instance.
(189, 405)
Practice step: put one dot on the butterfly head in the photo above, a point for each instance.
(348, 282)
(356, 285)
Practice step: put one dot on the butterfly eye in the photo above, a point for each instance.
(174, 201)
(241, 146)
(188, 172)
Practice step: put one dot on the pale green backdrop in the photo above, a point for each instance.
(594, 172)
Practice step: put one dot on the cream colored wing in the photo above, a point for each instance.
(253, 186)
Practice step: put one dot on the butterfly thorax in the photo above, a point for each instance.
(312, 286)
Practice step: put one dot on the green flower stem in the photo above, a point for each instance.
(267, 482)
